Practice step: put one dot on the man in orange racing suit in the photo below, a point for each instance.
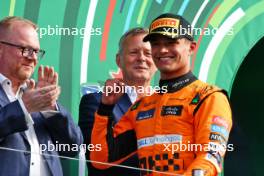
(183, 130)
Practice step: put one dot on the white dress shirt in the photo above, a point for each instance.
(132, 93)
(38, 167)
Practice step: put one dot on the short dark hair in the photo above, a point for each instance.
(133, 32)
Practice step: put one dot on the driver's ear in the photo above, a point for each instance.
(192, 46)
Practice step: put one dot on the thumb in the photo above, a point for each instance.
(30, 84)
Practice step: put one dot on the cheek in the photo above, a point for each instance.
(154, 52)
(184, 51)
(128, 60)
(181, 52)
(153, 68)
(178, 51)
(149, 62)
(126, 66)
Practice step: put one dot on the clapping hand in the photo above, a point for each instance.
(44, 95)
(47, 76)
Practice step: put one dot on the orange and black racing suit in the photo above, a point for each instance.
(183, 131)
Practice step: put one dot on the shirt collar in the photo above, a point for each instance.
(178, 83)
(131, 92)
(5, 80)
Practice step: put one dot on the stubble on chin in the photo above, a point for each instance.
(24, 75)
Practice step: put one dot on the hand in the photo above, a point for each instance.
(113, 90)
(40, 99)
(47, 76)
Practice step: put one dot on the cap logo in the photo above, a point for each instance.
(165, 22)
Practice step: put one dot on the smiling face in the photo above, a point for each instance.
(171, 56)
(12, 64)
(135, 59)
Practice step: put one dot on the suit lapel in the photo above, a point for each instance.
(121, 107)
(4, 101)
(3, 97)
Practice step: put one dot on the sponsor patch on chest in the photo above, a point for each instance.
(172, 110)
(145, 114)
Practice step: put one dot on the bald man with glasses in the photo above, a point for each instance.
(30, 116)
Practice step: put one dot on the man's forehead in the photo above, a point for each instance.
(17, 25)
(24, 34)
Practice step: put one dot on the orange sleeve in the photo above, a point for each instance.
(117, 143)
(213, 122)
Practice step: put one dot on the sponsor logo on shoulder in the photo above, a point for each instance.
(220, 121)
(217, 137)
(217, 148)
(220, 129)
(171, 110)
(142, 115)
(217, 156)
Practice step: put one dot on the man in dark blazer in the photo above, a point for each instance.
(135, 61)
(33, 126)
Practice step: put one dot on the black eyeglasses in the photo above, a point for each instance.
(26, 51)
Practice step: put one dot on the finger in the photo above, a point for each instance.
(46, 73)
(30, 84)
(27, 83)
(55, 79)
(51, 75)
(59, 90)
(55, 97)
(40, 73)
(120, 82)
(118, 85)
(119, 79)
(105, 88)
(51, 97)
(108, 84)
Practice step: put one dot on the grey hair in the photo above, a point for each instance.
(133, 32)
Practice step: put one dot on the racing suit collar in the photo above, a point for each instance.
(178, 83)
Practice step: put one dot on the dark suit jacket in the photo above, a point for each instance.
(58, 128)
(88, 106)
